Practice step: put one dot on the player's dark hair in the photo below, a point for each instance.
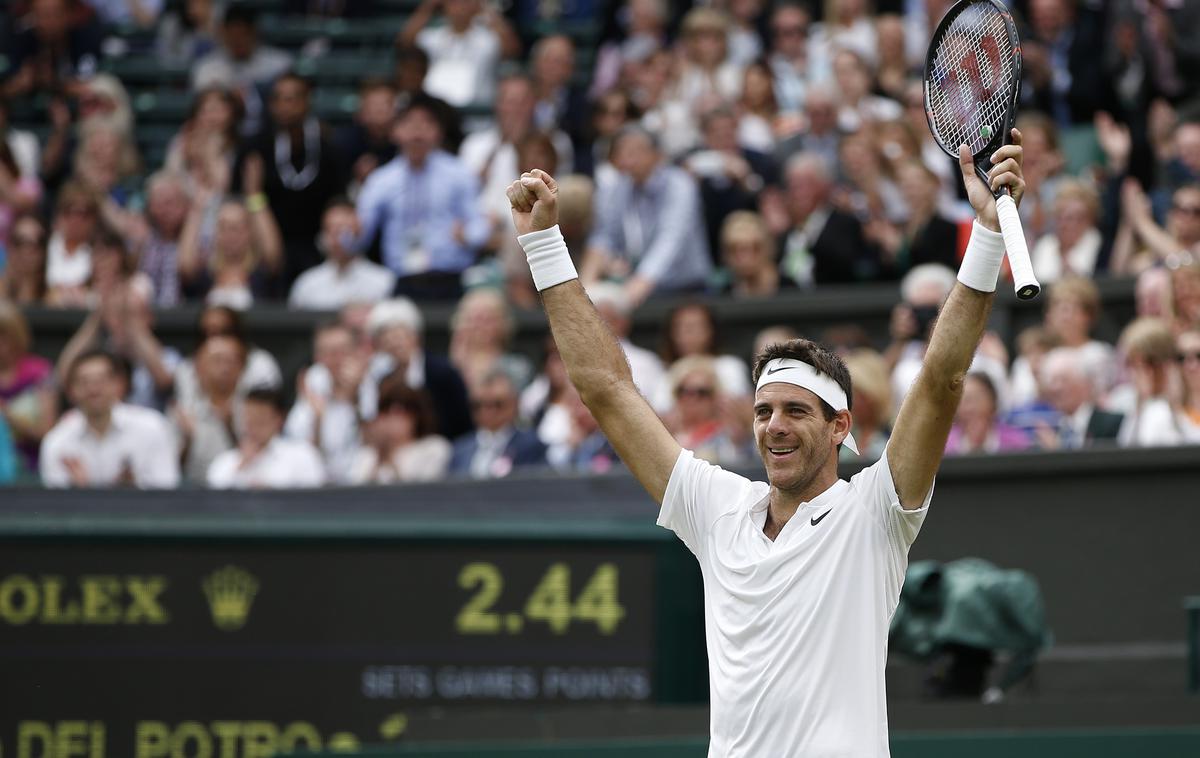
(807, 351)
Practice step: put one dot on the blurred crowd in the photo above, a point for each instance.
(733, 149)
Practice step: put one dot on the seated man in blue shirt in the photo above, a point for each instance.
(424, 205)
(649, 224)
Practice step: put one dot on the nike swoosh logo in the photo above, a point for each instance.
(778, 369)
(816, 520)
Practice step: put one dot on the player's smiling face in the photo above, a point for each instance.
(793, 436)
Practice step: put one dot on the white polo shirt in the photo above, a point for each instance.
(797, 628)
(283, 464)
(139, 442)
(327, 287)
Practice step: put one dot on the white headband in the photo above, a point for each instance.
(799, 373)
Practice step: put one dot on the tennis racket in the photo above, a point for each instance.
(972, 79)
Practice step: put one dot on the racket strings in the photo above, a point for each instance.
(970, 79)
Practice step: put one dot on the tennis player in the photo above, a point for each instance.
(801, 574)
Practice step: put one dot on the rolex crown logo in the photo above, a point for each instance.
(230, 591)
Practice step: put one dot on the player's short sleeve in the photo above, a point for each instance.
(875, 488)
(698, 493)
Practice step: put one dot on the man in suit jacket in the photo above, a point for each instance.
(824, 245)
(497, 446)
(1069, 385)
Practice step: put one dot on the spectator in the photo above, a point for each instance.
(1033, 343)
(103, 442)
(745, 39)
(50, 50)
(648, 226)
(330, 395)
(702, 420)
(893, 71)
(240, 261)
(867, 187)
(188, 33)
(822, 245)
(205, 148)
(1151, 419)
(263, 459)
(412, 66)
(23, 280)
(644, 32)
(19, 193)
(614, 307)
(792, 66)
(28, 399)
(543, 403)
(586, 450)
(424, 207)
(480, 332)
(240, 63)
(748, 252)
(706, 71)
(1044, 169)
(1141, 242)
(1069, 389)
(123, 323)
(1152, 293)
(846, 25)
(156, 236)
(142, 14)
(922, 292)
(976, 427)
(759, 123)
(730, 176)
(261, 370)
(492, 153)
(691, 330)
(395, 327)
(925, 236)
(497, 446)
(296, 169)
(610, 114)
(366, 143)
(112, 267)
(69, 253)
(402, 441)
(858, 107)
(463, 52)
(560, 103)
(104, 107)
(107, 164)
(206, 419)
(1062, 77)
(820, 135)
(8, 455)
(872, 402)
(1072, 307)
(1074, 245)
(345, 276)
(1187, 346)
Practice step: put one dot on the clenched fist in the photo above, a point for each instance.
(534, 199)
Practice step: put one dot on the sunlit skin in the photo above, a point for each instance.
(790, 419)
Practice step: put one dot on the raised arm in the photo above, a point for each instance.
(594, 360)
(923, 424)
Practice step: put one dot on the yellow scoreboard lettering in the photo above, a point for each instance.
(224, 739)
(60, 739)
(94, 599)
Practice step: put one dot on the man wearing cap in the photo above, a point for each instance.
(801, 574)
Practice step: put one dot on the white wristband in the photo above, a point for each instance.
(981, 262)
(549, 260)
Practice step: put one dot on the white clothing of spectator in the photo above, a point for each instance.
(331, 392)
(424, 460)
(1074, 244)
(240, 62)
(103, 442)
(345, 276)
(463, 52)
(263, 459)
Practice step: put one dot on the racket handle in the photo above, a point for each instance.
(1018, 252)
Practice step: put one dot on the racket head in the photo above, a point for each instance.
(973, 79)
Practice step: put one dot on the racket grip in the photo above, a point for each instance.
(1018, 252)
